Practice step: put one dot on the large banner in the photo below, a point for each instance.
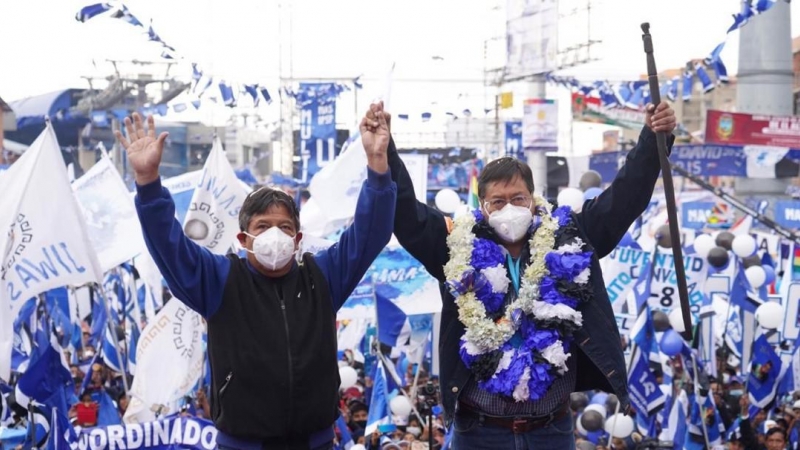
(532, 37)
(664, 285)
(540, 125)
(695, 215)
(170, 433)
(787, 213)
(749, 129)
(317, 131)
(513, 145)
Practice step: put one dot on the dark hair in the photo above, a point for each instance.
(305, 194)
(504, 169)
(260, 200)
(775, 430)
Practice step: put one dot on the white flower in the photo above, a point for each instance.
(545, 311)
(574, 247)
(497, 278)
(583, 277)
(470, 348)
(554, 354)
(521, 392)
(505, 361)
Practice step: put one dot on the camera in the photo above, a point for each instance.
(654, 444)
(429, 390)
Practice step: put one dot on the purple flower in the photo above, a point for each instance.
(563, 214)
(493, 301)
(486, 253)
(548, 289)
(466, 357)
(567, 266)
(540, 381)
(478, 215)
(537, 338)
(505, 381)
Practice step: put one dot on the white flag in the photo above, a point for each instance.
(44, 239)
(213, 217)
(169, 361)
(110, 214)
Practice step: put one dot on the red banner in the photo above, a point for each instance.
(750, 129)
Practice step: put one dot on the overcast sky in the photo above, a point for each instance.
(44, 48)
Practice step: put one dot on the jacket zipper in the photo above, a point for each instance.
(288, 351)
(222, 391)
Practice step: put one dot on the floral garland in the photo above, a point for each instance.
(520, 350)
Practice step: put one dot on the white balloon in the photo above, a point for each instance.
(400, 406)
(578, 425)
(623, 427)
(744, 245)
(596, 407)
(447, 200)
(676, 319)
(571, 197)
(770, 315)
(358, 447)
(756, 276)
(349, 377)
(703, 244)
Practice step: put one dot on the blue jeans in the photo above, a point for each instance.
(470, 433)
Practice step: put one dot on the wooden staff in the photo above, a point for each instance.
(669, 190)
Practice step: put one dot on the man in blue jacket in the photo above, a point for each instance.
(271, 318)
(526, 319)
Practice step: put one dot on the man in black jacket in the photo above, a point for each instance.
(271, 318)
(541, 326)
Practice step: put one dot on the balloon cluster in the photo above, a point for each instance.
(717, 252)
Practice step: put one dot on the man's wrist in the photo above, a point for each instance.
(378, 163)
(143, 179)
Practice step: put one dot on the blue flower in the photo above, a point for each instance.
(567, 266)
(549, 292)
(540, 381)
(537, 338)
(505, 382)
(563, 214)
(478, 215)
(485, 253)
(466, 357)
(491, 300)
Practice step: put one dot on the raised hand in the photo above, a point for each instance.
(375, 137)
(661, 118)
(143, 149)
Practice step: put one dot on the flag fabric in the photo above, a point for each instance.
(213, 217)
(47, 380)
(391, 321)
(61, 432)
(6, 418)
(474, 199)
(153, 389)
(762, 381)
(109, 213)
(379, 403)
(88, 12)
(345, 439)
(46, 247)
(107, 413)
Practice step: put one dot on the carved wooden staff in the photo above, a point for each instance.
(669, 190)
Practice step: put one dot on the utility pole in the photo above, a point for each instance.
(537, 159)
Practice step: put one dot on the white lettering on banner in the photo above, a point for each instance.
(693, 167)
(698, 215)
(305, 124)
(176, 432)
(621, 272)
(768, 243)
(664, 285)
(791, 214)
(625, 323)
(791, 323)
(396, 275)
(512, 146)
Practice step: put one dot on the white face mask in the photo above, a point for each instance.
(273, 248)
(512, 222)
(416, 431)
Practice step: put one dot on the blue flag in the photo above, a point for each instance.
(762, 382)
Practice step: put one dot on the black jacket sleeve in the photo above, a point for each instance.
(420, 229)
(748, 436)
(605, 219)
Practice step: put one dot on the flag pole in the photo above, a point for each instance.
(110, 326)
(669, 189)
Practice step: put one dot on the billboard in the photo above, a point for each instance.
(751, 129)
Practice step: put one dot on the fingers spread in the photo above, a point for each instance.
(138, 126)
(151, 127)
(129, 128)
(124, 142)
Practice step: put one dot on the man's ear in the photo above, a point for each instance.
(242, 239)
(297, 239)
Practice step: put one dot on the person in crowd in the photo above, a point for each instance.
(122, 404)
(271, 315)
(726, 414)
(358, 414)
(87, 411)
(776, 439)
(497, 261)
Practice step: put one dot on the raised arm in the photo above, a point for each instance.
(346, 262)
(605, 219)
(195, 275)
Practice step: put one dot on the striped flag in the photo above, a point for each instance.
(474, 201)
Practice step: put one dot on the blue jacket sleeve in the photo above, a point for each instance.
(605, 219)
(194, 275)
(345, 263)
(420, 229)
